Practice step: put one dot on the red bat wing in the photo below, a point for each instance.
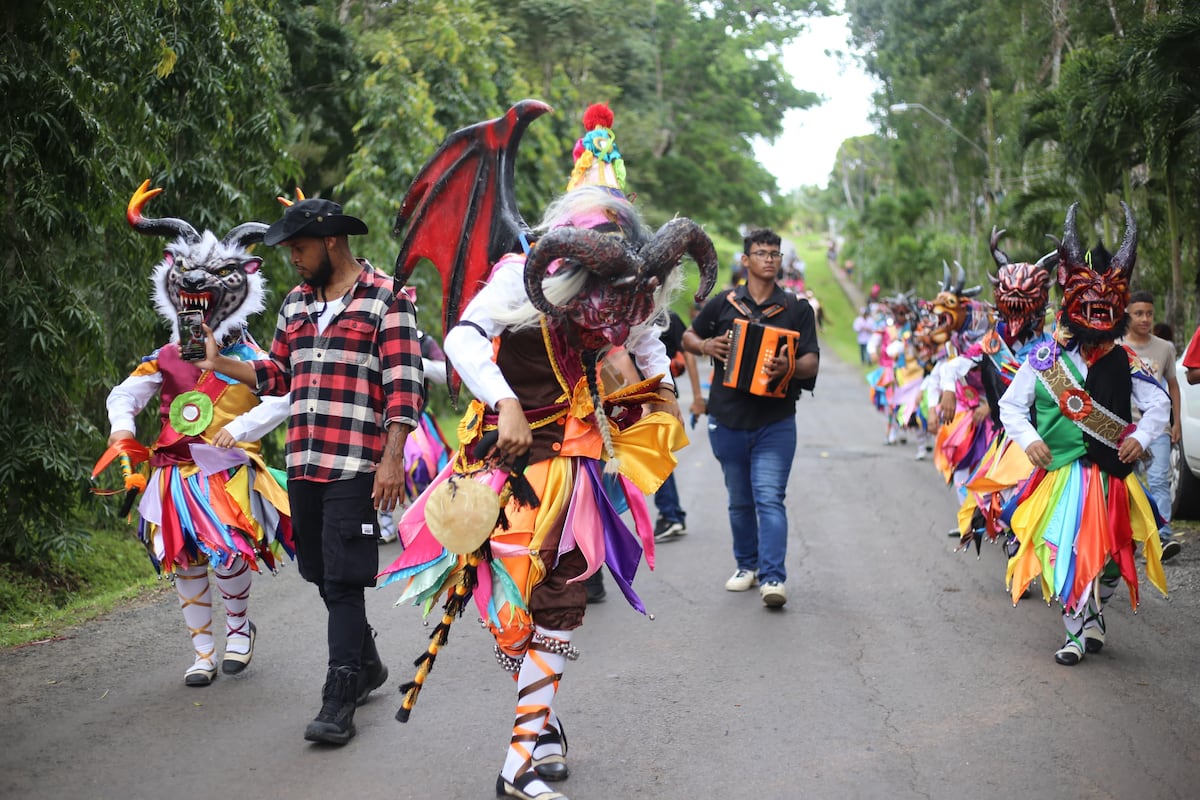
(461, 211)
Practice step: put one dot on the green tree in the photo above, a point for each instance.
(96, 99)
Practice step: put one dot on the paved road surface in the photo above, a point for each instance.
(897, 669)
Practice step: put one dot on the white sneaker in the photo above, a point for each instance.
(742, 580)
(773, 594)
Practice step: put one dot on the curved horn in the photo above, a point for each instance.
(998, 255)
(679, 236)
(1126, 256)
(1069, 247)
(601, 253)
(167, 226)
(1049, 261)
(289, 203)
(947, 285)
(960, 277)
(246, 234)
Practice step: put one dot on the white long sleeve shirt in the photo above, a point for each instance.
(506, 289)
(1018, 399)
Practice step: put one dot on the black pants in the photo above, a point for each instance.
(336, 530)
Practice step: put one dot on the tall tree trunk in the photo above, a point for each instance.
(1058, 41)
(1112, 11)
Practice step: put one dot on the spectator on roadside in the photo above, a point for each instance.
(737, 272)
(672, 519)
(864, 326)
(816, 307)
(1159, 357)
(1164, 331)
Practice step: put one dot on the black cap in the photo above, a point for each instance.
(313, 218)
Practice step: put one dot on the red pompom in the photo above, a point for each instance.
(598, 115)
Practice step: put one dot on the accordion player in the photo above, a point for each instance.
(752, 345)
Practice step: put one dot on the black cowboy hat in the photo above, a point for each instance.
(313, 218)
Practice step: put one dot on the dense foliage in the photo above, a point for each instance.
(228, 104)
(1003, 113)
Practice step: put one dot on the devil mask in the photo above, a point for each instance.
(200, 272)
(1095, 295)
(1022, 291)
(952, 307)
(622, 276)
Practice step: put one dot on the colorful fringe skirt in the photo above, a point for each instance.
(193, 516)
(1071, 522)
(576, 512)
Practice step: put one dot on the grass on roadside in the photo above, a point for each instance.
(37, 605)
(838, 332)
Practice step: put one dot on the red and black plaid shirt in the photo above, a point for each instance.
(347, 384)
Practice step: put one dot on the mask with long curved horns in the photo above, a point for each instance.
(623, 277)
(1095, 295)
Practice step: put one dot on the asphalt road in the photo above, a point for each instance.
(897, 669)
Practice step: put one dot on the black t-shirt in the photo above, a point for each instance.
(742, 410)
(672, 337)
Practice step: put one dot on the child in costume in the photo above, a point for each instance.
(529, 346)
(210, 500)
(1080, 515)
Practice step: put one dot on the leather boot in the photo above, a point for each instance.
(334, 724)
(374, 672)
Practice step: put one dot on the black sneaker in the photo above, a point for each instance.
(1170, 549)
(667, 529)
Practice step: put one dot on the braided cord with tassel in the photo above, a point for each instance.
(454, 606)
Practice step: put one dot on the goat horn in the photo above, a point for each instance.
(601, 253)
(167, 226)
(679, 236)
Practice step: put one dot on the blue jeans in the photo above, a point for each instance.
(756, 464)
(1158, 480)
(666, 500)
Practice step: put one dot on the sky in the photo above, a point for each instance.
(804, 153)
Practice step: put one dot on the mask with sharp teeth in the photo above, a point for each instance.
(1095, 288)
(1022, 291)
(200, 272)
(953, 310)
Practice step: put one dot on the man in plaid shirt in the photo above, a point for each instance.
(346, 348)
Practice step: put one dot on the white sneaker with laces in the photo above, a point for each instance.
(742, 580)
(773, 594)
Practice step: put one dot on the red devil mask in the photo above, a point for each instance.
(1022, 291)
(1095, 296)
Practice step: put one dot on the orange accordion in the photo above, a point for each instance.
(752, 345)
